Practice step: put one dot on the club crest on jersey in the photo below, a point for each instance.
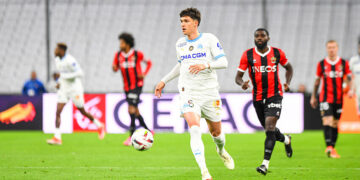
(200, 46)
(273, 59)
(341, 67)
(191, 48)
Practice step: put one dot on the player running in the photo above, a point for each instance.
(70, 87)
(355, 69)
(199, 55)
(263, 64)
(331, 71)
(128, 60)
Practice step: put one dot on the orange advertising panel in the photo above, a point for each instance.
(349, 120)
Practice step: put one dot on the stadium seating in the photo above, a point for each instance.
(90, 28)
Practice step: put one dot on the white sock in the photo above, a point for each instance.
(57, 133)
(220, 142)
(97, 122)
(266, 163)
(197, 147)
(287, 140)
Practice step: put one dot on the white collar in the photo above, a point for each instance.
(327, 59)
(261, 54)
(129, 53)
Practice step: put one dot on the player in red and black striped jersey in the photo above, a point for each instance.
(129, 60)
(263, 63)
(331, 71)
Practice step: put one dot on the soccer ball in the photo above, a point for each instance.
(142, 139)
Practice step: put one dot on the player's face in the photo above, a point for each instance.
(332, 49)
(188, 25)
(261, 39)
(123, 45)
(57, 52)
(359, 49)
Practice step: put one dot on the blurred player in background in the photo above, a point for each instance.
(33, 87)
(70, 87)
(263, 63)
(128, 61)
(199, 55)
(355, 69)
(331, 71)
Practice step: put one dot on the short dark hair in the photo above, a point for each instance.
(128, 38)
(262, 29)
(62, 46)
(193, 13)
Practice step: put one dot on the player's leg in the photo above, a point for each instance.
(196, 143)
(337, 109)
(141, 119)
(56, 140)
(219, 139)
(327, 120)
(132, 128)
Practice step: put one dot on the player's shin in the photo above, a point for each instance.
(220, 142)
(197, 147)
(327, 134)
(281, 137)
(57, 133)
(132, 124)
(334, 136)
(269, 146)
(142, 122)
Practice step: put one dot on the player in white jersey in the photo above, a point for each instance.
(199, 55)
(70, 88)
(355, 69)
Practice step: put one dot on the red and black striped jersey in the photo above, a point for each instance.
(130, 67)
(332, 74)
(264, 71)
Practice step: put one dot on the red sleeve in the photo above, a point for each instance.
(148, 62)
(116, 60)
(243, 62)
(283, 60)
(347, 68)
(319, 72)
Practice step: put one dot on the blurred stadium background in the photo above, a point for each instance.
(30, 29)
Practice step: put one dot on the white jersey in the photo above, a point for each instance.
(202, 50)
(70, 71)
(355, 69)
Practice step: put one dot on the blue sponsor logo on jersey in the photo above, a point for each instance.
(193, 56)
(219, 46)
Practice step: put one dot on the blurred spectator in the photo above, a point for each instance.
(33, 86)
(52, 85)
(302, 88)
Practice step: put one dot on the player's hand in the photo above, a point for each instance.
(159, 87)
(245, 85)
(114, 67)
(313, 102)
(351, 93)
(57, 86)
(286, 87)
(194, 69)
(141, 76)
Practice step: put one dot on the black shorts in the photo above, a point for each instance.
(268, 107)
(330, 109)
(133, 96)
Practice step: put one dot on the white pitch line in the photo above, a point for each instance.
(168, 168)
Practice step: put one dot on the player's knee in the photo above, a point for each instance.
(215, 133)
(132, 110)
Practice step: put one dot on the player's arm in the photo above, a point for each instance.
(175, 72)
(313, 100)
(350, 81)
(115, 65)
(148, 65)
(241, 71)
(220, 63)
(75, 71)
(288, 75)
(239, 80)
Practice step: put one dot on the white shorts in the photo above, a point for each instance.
(75, 93)
(207, 104)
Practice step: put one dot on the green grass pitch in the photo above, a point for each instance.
(25, 155)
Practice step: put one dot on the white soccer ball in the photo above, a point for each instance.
(142, 139)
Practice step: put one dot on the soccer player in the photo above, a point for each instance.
(70, 87)
(199, 55)
(263, 63)
(128, 60)
(331, 71)
(355, 69)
